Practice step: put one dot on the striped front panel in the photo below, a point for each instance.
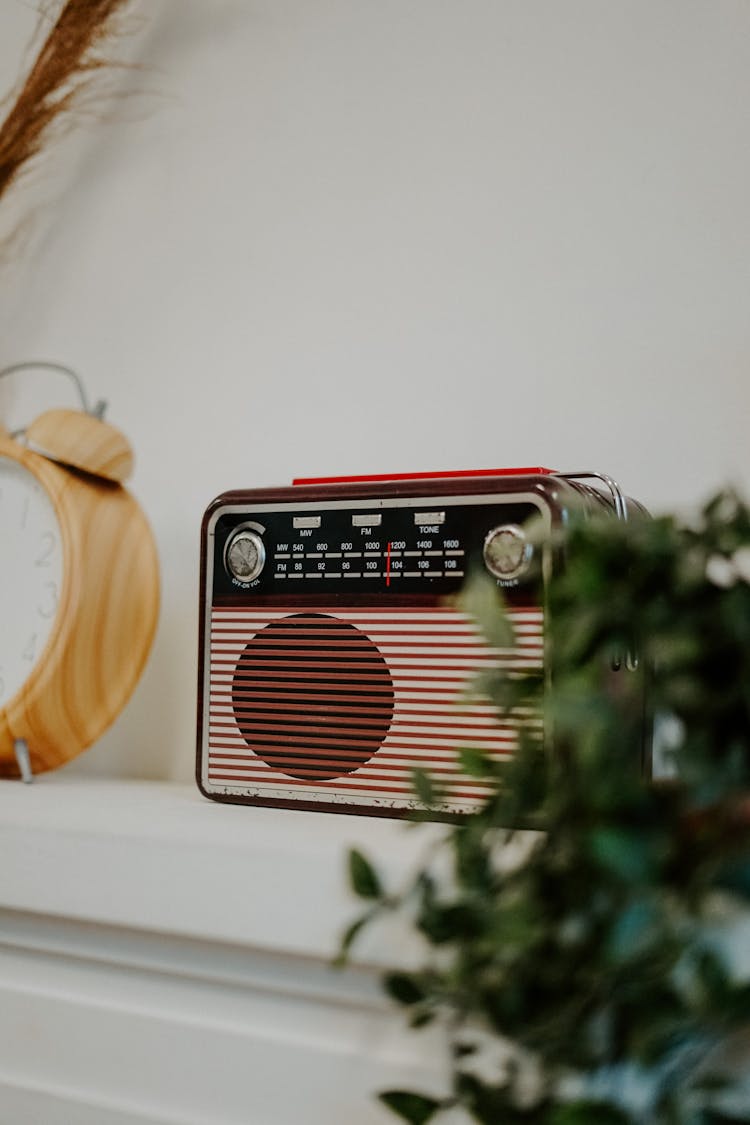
(338, 706)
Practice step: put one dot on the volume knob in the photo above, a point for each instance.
(244, 555)
(507, 552)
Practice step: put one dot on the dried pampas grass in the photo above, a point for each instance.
(62, 70)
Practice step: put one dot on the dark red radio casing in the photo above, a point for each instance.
(333, 659)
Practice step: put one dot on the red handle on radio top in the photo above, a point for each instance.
(524, 472)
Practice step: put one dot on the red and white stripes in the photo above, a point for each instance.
(338, 706)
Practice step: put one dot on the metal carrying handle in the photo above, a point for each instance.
(620, 502)
(621, 511)
(96, 411)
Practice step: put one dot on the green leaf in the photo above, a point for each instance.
(350, 933)
(421, 1017)
(481, 600)
(713, 976)
(475, 763)
(635, 929)
(424, 787)
(736, 1005)
(626, 854)
(496, 1105)
(588, 1113)
(362, 876)
(415, 1108)
(454, 922)
(404, 988)
(735, 876)
(464, 1050)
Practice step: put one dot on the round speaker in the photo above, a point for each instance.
(312, 696)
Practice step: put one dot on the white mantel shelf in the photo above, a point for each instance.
(166, 960)
(161, 857)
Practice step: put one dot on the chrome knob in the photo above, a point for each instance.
(244, 555)
(507, 552)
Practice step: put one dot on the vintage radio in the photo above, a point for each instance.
(332, 661)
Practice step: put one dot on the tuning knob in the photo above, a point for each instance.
(244, 555)
(507, 551)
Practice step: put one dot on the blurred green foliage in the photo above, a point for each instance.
(596, 979)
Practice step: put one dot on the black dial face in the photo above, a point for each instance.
(419, 547)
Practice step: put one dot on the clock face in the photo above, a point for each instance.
(31, 572)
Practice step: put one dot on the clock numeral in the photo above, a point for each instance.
(29, 652)
(49, 542)
(48, 608)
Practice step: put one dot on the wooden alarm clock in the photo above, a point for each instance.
(79, 588)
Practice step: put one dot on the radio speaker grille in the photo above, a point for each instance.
(338, 707)
(304, 655)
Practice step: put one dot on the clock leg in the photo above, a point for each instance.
(21, 751)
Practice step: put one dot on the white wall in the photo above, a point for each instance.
(363, 235)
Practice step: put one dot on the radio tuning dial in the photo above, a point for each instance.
(244, 555)
(507, 552)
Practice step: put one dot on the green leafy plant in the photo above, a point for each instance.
(585, 953)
